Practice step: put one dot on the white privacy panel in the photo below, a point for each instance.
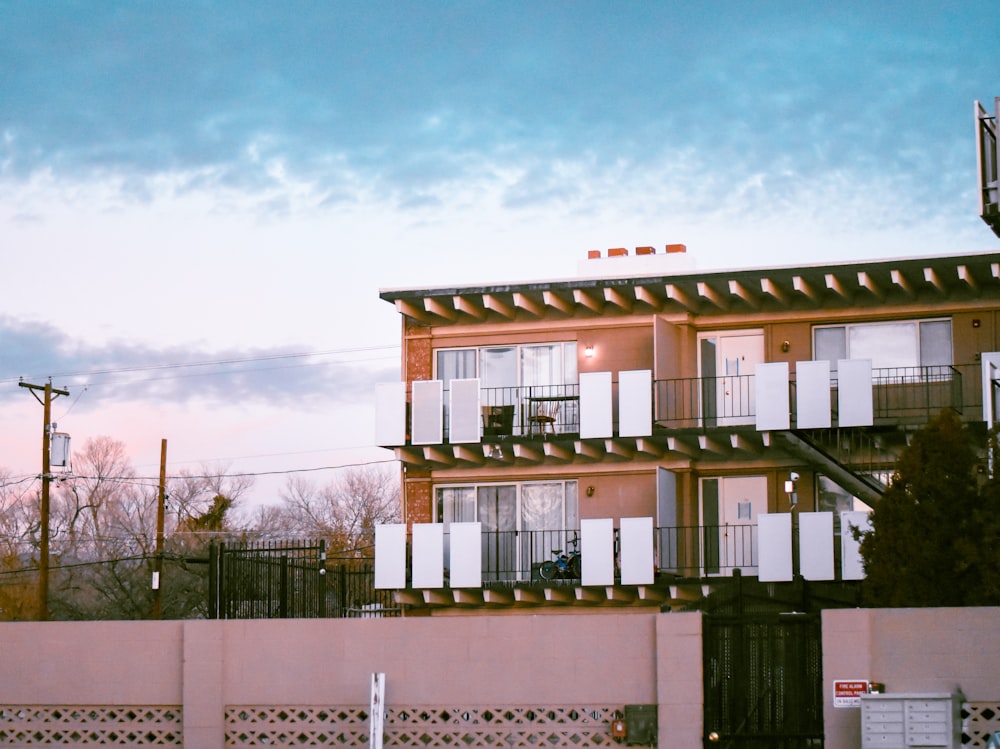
(772, 396)
(812, 395)
(635, 403)
(390, 556)
(428, 412)
(854, 393)
(638, 567)
(774, 536)
(465, 563)
(852, 566)
(390, 414)
(595, 404)
(991, 372)
(597, 551)
(428, 555)
(464, 416)
(816, 545)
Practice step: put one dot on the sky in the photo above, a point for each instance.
(199, 201)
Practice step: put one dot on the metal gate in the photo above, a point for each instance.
(267, 580)
(763, 677)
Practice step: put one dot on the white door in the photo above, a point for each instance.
(727, 363)
(730, 506)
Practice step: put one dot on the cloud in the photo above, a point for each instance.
(136, 372)
(407, 102)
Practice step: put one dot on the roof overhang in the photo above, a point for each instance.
(772, 289)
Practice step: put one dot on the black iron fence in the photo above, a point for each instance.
(351, 593)
(267, 580)
(291, 579)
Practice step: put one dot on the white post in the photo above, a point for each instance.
(377, 711)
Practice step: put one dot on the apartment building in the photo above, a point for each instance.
(678, 425)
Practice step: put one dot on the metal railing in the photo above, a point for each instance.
(516, 557)
(900, 395)
(528, 411)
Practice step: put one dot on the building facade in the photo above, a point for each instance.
(645, 399)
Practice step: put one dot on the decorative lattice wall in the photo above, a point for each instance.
(507, 726)
(980, 720)
(79, 725)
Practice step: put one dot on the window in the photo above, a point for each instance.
(510, 366)
(522, 522)
(889, 345)
(515, 376)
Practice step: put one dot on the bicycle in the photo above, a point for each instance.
(564, 566)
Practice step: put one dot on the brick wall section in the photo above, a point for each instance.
(417, 357)
(419, 501)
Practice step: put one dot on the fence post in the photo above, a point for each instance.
(321, 585)
(213, 580)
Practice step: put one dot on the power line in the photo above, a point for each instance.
(214, 362)
(147, 480)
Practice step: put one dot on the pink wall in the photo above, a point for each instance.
(600, 657)
(908, 650)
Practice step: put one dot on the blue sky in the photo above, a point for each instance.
(199, 201)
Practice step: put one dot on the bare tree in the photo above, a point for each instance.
(344, 512)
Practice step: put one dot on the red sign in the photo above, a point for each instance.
(847, 692)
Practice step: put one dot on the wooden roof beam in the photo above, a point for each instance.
(833, 284)
(435, 306)
(677, 445)
(931, 276)
(740, 291)
(556, 302)
(529, 305)
(471, 454)
(709, 294)
(676, 294)
(617, 449)
(647, 448)
(588, 450)
(527, 453)
(409, 309)
(865, 281)
(440, 456)
(558, 453)
(645, 296)
(806, 289)
(615, 297)
(901, 282)
(467, 306)
(585, 299)
(713, 445)
(771, 289)
(966, 277)
(498, 305)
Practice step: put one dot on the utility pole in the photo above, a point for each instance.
(43, 543)
(160, 509)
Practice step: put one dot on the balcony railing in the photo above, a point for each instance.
(900, 395)
(516, 557)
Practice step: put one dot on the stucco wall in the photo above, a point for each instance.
(565, 659)
(908, 650)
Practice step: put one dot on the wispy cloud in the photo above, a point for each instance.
(135, 372)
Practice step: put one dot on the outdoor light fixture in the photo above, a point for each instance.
(588, 351)
(793, 497)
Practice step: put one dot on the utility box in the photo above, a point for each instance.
(640, 725)
(905, 720)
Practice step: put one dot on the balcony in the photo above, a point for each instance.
(687, 561)
(519, 417)
(515, 557)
